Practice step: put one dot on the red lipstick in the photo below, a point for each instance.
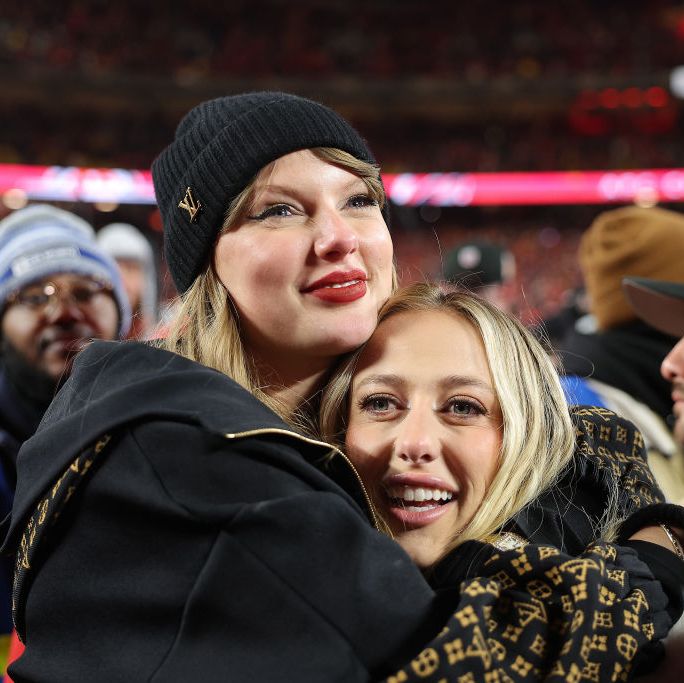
(339, 287)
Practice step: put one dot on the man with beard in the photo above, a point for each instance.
(661, 305)
(58, 290)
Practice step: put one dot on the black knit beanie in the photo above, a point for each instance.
(219, 146)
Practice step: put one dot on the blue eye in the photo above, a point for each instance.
(275, 211)
(361, 201)
(464, 408)
(378, 403)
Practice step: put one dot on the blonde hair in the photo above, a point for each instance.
(538, 436)
(206, 327)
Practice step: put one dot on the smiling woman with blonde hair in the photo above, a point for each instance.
(535, 435)
(534, 419)
(455, 418)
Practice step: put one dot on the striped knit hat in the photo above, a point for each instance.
(42, 240)
(219, 147)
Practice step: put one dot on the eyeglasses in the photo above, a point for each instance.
(43, 295)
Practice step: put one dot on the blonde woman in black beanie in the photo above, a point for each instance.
(171, 521)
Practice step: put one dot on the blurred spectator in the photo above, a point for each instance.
(618, 366)
(575, 308)
(483, 267)
(58, 290)
(661, 305)
(134, 256)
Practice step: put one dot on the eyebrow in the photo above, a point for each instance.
(465, 380)
(392, 379)
(445, 383)
(293, 190)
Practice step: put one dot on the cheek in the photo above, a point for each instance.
(364, 448)
(19, 328)
(105, 319)
(492, 454)
(245, 267)
(379, 254)
(480, 455)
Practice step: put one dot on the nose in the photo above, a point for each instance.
(63, 309)
(416, 443)
(672, 366)
(335, 237)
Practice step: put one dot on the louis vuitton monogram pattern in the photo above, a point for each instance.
(51, 506)
(615, 447)
(537, 614)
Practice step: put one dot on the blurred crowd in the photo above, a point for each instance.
(380, 40)
(104, 138)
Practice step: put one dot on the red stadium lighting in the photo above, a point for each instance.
(588, 99)
(657, 97)
(632, 98)
(56, 183)
(609, 98)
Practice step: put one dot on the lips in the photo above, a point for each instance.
(339, 287)
(417, 499)
(64, 342)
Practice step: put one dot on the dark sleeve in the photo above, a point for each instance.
(293, 556)
(651, 515)
(610, 458)
(666, 568)
(537, 614)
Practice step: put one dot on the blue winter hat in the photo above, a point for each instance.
(42, 240)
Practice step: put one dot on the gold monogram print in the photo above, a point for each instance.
(44, 517)
(190, 204)
(537, 614)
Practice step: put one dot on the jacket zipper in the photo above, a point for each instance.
(314, 442)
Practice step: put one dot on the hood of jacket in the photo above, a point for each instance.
(116, 383)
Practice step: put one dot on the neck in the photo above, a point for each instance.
(291, 386)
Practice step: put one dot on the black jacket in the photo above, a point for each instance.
(251, 563)
(170, 527)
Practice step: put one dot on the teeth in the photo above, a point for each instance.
(339, 285)
(419, 494)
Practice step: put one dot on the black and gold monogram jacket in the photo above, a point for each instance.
(169, 527)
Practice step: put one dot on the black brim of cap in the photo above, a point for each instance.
(659, 303)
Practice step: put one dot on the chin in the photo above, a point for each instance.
(350, 337)
(422, 557)
(423, 548)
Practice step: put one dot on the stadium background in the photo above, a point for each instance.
(482, 87)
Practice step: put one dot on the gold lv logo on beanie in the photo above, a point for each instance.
(189, 203)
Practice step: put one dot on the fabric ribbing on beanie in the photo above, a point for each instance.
(220, 146)
(630, 241)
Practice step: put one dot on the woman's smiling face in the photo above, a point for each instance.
(425, 427)
(310, 265)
